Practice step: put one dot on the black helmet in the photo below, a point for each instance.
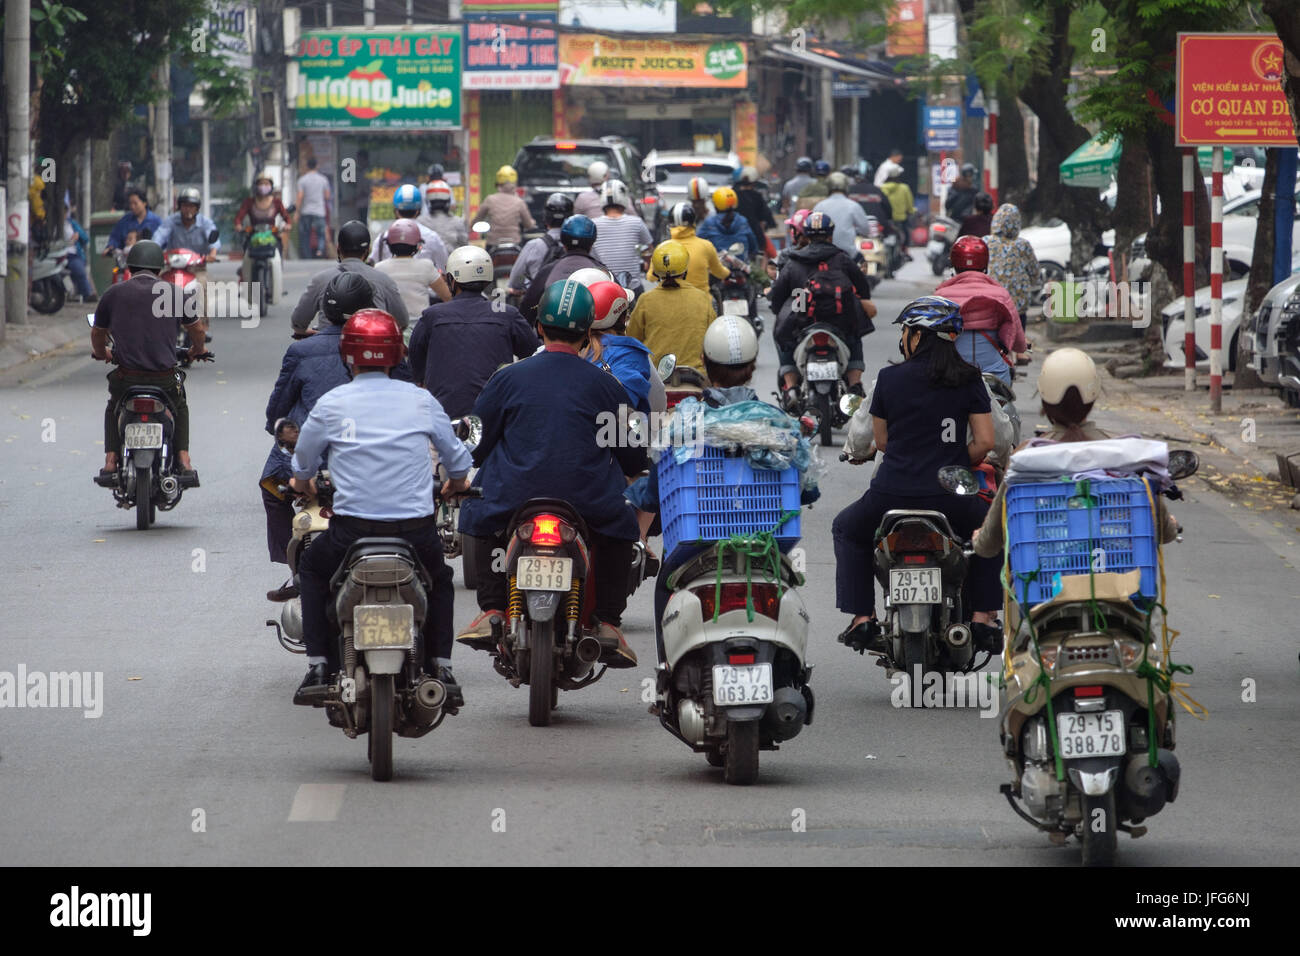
(968, 170)
(850, 170)
(145, 256)
(803, 165)
(347, 292)
(436, 171)
(983, 202)
(559, 207)
(354, 237)
(578, 232)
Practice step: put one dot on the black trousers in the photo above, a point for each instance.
(854, 534)
(611, 558)
(323, 557)
(279, 526)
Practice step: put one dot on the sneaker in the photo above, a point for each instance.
(614, 650)
(479, 633)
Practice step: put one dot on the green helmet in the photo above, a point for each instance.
(567, 305)
(145, 255)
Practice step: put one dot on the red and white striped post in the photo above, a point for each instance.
(991, 149)
(1216, 281)
(1189, 270)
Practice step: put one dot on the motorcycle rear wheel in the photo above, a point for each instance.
(938, 265)
(827, 426)
(541, 667)
(916, 653)
(48, 295)
(381, 727)
(740, 766)
(143, 497)
(468, 569)
(1099, 848)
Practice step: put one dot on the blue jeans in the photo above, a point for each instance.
(77, 266)
(306, 224)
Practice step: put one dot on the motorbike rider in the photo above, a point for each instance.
(1069, 386)
(376, 433)
(542, 437)
(618, 235)
(755, 209)
(263, 207)
(450, 229)
(798, 239)
(505, 212)
(189, 229)
(415, 277)
(137, 219)
(406, 203)
(543, 249)
(698, 191)
(920, 409)
(704, 261)
(144, 350)
(962, 193)
(803, 168)
(672, 317)
(850, 220)
(577, 236)
(815, 191)
(980, 222)
(803, 263)
(727, 226)
(279, 508)
(353, 244)
(872, 200)
(894, 162)
(901, 201)
(457, 345)
(588, 202)
(626, 357)
(991, 335)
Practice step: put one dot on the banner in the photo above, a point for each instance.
(591, 60)
(511, 56)
(1230, 91)
(361, 79)
(906, 29)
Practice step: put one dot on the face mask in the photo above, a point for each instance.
(264, 190)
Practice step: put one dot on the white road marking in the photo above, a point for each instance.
(317, 803)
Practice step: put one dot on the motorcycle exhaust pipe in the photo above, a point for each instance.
(169, 485)
(585, 655)
(427, 700)
(787, 713)
(958, 635)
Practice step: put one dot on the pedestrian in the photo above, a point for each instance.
(123, 185)
(313, 212)
(1012, 262)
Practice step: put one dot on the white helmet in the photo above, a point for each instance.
(470, 264)
(1066, 368)
(614, 193)
(597, 172)
(591, 274)
(730, 340)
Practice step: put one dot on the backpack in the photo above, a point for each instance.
(830, 297)
(553, 251)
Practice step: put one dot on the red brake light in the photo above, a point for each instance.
(940, 227)
(691, 164)
(766, 600)
(916, 540)
(914, 559)
(650, 200)
(146, 405)
(821, 338)
(144, 417)
(740, 658)
(566, 145)
(1095, 691)
(521, 192)
(546, 531)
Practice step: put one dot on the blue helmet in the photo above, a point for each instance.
(407, 198)
(932, 313)
(822, 168)
(578, 232)
(819, 225)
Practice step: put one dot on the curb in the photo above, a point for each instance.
(26, 342)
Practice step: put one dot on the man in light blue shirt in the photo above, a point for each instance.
(849, 218)
(377, 432)
(188, 229)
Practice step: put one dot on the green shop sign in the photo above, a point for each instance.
(361, 79)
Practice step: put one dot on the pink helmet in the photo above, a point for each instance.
(796, 222)
(404, 232)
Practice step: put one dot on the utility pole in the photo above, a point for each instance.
(162, 141)
(18, 164)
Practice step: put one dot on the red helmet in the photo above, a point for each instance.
(612, 301)
(404, 232)
(969, 252)
(371, 339)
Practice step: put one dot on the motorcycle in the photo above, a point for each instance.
(182, 273)
(504, 255)
(1095, 748)
(736, 293)
(147, 477)
(873, 256)
(48, 292)
(470, 431)
(943, 233)
(822, 358)
(263, 250)
(680, 381)
(734, 681)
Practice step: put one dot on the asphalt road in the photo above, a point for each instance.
(200, 758)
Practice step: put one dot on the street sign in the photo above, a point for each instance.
(1230, 91)
(937, 140)
(948, 174)
(943, 117)
(975, 99)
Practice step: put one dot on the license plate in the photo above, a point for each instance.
(735, 307)
(933, 248)
(915, 586)
(823, 371)
(144, 435)
(382, 626)
(871, 267)
(748, 684)
(1091, 735)
(544, 574)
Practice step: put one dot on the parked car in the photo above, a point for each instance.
(548, 165)
(1273, 333)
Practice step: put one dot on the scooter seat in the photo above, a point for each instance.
(937, 520)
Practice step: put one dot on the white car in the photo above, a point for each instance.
(1234, 294)
(1264, 331)
(671, 170)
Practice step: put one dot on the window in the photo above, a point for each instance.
(547, 166)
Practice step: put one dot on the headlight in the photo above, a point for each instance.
(1292, 306)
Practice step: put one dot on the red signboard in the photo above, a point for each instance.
(1230, 91)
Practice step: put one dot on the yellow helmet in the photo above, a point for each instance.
(724, 198)
(670, 259)
(507, 174)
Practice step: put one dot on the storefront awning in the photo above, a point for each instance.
(1093, 165)
(829, 60)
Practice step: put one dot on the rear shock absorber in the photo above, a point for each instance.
(515, 609)
(573, 604)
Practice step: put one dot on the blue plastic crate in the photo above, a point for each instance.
(711, 497)
(1052, 530)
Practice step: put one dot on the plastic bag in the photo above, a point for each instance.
(769, 437)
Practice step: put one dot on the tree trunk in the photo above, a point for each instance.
(1013, 161)
(1286, 17)
(1134, 201)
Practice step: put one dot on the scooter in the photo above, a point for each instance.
(504, 255)
(736, 294)
(1086, 724)
(873, 254)
(48, 292)
(447, 516)
(182, 274)
(822, 358)
(943, 233)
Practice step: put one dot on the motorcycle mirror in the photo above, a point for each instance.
(1183, 463)
(666, 365)
(482, 227)
(213, 236)
(90, 319)
(958, 480)
(736, 248)
(470, 431)
(849, 403)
